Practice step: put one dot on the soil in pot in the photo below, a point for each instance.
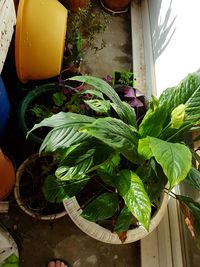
(32, 175)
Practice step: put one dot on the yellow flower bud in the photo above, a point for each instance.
(178, 116)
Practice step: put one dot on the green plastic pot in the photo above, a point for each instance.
(25, 104)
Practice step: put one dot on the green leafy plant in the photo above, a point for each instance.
(85, 27)
(123, 78)
(129, 164)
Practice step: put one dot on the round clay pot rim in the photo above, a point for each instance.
(18, 198)
(104, 235)
(113, 11)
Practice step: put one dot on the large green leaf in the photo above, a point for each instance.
(62, 137)
(110, 166)
(56, 190)
(144, 149)
(116, 134)
(153, 121)
(124, 220)
(175, 159)
(84, 158)
(153, 178)
(107, 171)
(130, 112)
(193, 178)
(188, 93)
(103, 207)
(106, 89)
(191, 211)
(64, 119)
(132, 190)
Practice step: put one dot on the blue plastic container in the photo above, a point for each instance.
(4, 107)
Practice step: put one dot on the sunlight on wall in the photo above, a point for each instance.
(176, 40)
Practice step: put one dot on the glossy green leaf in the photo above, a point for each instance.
(193, 178)
(56, 190)
(102, 106)
(130, 112)
(124, 220)
(144, 149)
(188, 93)
(175, 159)
(110, 166)
(114, 133)
(84, 158)
(153, 178)
(62, 138)
(153, 121)
(103, 207)
(64, 119)
(107, 171)
(132, 190)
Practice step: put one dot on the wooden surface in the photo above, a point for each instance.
(7, 22)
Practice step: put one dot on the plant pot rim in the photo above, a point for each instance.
(28, 99)
(114, 12)
(104, 235)
(18, 197)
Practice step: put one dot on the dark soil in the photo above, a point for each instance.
(31, 184)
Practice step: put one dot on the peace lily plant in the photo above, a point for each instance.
(132, 163)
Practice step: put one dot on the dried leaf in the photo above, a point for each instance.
(122, 236)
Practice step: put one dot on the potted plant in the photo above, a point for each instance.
(75, 5)
(30, 177)
(113, 6)
(84, 26)
(44, 101)
(122, 172)
(123, 78)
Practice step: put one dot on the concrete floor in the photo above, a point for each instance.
(40, 241)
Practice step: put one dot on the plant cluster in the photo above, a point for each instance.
(133, 163)
(84, 26)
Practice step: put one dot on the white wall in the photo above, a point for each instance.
(175, 36)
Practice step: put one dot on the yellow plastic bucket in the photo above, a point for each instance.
(40, 36)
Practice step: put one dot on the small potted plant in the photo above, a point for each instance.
(123, 78)
(30, 178)
(44, 101)
(120, 171)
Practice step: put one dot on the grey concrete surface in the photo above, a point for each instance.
(117, 55)
(39, 241)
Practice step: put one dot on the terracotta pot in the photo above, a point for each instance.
(117, 6)
(104, 235)
(7, 176)
(74, 5)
